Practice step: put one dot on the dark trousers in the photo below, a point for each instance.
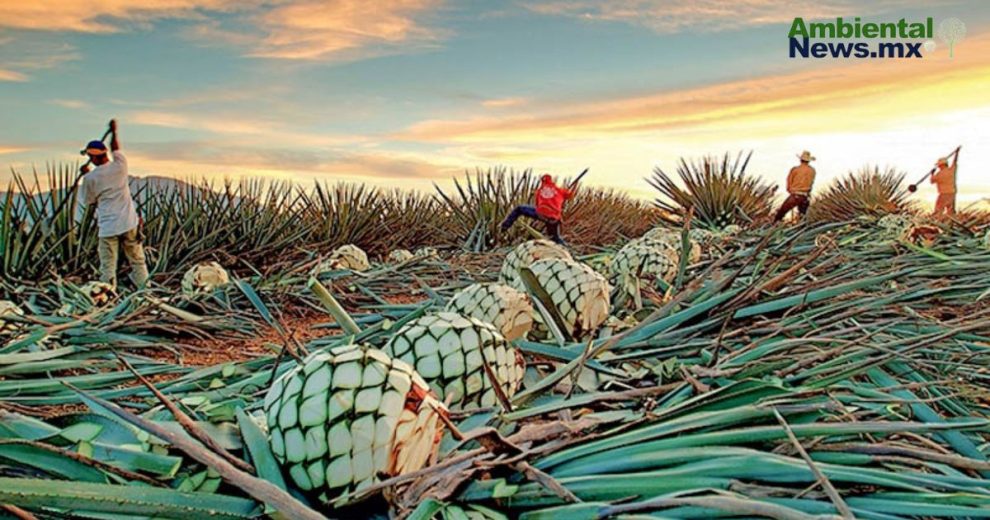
(552, 225)
(794, 201)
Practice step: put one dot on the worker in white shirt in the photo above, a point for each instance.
(106, 185)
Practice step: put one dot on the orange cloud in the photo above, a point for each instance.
(11, 75)
(319, 29)
(308, 29)
(104, 16)
(506, 102)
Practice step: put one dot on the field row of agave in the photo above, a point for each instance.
(253, 226)
(257, 225)
(832, 370)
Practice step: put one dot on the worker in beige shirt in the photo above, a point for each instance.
(106, 186)
(799, 183)
(945, 179)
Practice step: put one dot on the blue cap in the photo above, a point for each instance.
(96, 148)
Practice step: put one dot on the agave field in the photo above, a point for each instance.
(294, 360)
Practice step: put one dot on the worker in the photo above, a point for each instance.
(106, 185)
(799, 183)
(945, 179)
(548, 209)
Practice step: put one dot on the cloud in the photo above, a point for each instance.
(870, 86)
(672, 16)
(248, 130)
(300, 30)
(505, 102)
(22, 55)
(74, 104)
(12, 149)
(12, 75)
(344, 29)
(105, 16)
(215, 158)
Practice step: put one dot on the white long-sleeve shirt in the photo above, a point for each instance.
(106, 186)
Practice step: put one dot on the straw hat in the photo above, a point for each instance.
(806, 156)
(942, 161)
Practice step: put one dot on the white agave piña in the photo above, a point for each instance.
(524, 255)
(427, 252)
(580, 295)
(450, 351)
(347, 256)
(508, 309)
(895, 223)
(347, 415)
(641, 260)
(9, 309)
(204, 277)
(672, 239)
(400, 255)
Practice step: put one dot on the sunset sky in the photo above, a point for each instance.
(410, 92)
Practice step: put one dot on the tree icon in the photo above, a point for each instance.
(951, 31)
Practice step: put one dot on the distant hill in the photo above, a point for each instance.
(138, 185)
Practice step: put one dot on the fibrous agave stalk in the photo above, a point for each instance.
(348, 415)
(580, 295)
(203, 278)
(524, 255)
(450, 351)
(509, 310)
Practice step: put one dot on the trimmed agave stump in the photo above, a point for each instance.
(508, 309)
(578, 293)
(641, 260)
(524, 255)
(348, 415)
(451, 351)
(204, 278)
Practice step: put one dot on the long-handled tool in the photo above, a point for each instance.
(914, 187)
(575, 182)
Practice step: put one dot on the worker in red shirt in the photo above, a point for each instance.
(549, 204)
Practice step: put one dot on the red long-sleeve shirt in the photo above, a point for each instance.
(550, 199)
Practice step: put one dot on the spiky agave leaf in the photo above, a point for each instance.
(348, 415)
(866, 192)
(450, 351)
(720, 192)
(508, 309)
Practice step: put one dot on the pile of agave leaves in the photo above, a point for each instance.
(815, 371)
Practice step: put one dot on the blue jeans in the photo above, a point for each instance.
(525, 210)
